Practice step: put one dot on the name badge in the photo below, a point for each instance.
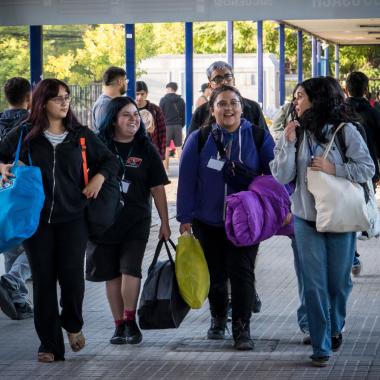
(215, 164)
(125, 186)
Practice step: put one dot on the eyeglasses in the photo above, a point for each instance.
(222, 78)
(61, 99)
(223, 104)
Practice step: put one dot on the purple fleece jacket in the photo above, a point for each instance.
(257, 214)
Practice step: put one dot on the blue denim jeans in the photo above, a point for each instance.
(301, 311)
(17, 272)
(325, 263)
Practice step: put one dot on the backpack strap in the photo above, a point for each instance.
(82, 141)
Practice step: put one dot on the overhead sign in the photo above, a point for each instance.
(50, 12)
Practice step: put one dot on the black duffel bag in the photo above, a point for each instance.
(161, 306)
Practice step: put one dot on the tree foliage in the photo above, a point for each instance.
(80, 53)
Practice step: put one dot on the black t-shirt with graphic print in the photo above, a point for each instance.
(141, 167)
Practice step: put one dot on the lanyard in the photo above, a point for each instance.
(123, 162)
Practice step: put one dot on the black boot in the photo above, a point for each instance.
(242, 335)
(217, 328)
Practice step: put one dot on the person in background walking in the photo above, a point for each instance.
(114, 84)
(173, 107)
(206, 92)
(159, 134)
(14, 300)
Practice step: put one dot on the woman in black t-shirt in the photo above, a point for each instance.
(120, 255)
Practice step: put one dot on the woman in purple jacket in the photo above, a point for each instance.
(201, 208)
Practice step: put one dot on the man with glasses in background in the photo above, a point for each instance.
(115, 84)
(219, 73)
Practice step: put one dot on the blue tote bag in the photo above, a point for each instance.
(21, 201)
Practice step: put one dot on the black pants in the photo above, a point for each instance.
(56, 252)
(225, 261)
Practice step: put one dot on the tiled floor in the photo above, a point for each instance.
(184, 353)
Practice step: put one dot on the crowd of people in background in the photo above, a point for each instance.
(131, 140)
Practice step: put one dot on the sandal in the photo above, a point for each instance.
(76, 340)
(45, 357)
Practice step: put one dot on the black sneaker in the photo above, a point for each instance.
(306, 339)
(132, 332)
(24, 311)
(119, 336)
(336, 342)
(6, 303)
(217, 329)
(256, 306)
(242, 335)
(319, 361)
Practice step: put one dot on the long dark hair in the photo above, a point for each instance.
(215, 93)
(327, 106)
(107, 126)
(43, 92)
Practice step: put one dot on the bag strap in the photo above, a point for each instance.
(158, 250)
(328, 148)
(82, 141)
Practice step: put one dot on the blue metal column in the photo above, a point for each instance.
(336, 62)
(299, 56)
(314, 69)
(282, 63)
(326, 61)
(189, 71)
(230, 43)
(318, 58)
(260, 59)
(130, 59)
(35, 46)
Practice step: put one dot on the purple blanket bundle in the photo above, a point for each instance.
(259, 213)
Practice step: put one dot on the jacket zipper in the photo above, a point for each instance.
(52, 202)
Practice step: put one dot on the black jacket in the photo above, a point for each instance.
(61, 168)
(251, 111)
(173, 107)
(10, 119)
(370, 120)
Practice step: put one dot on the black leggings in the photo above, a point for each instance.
(56, 252)
(227, 261)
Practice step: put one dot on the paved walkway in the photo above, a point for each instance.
(184, 353)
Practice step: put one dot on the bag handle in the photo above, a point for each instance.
(18, 150)
(82, 141)
(328, 148)
(158, 250)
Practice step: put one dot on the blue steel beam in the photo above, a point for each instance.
(314, 68)
(189, 71)
(299, 56)
(326, 60)
(35, 46)
(282, 63)
(230, 43)
(260, 59)
(130, 59)
(336, 62)
(318, 58)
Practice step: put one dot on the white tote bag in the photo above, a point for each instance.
(340, 203)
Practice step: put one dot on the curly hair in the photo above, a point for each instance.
(327, 106)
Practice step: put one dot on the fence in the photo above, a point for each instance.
(83, 99)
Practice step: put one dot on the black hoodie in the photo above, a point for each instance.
(370, 120)
(10, 119)
(173, 108)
